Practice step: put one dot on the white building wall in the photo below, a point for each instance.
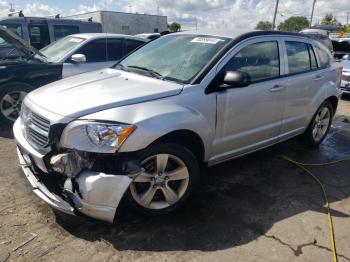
(126, 23)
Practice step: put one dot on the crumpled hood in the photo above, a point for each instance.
(88, 93)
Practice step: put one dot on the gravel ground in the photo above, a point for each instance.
(256, 208)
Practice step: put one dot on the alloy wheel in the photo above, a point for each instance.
(321, 123)
(163, 183)
(10, 104)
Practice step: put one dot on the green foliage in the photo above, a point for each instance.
(264, 25)
(294, 24)
(330, 19)
(174, 27)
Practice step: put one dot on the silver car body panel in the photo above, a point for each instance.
(230, 123)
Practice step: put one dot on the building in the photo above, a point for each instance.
(126, 23)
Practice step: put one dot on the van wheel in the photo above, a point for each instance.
(11, 98)
(170, 174)
(320, 124)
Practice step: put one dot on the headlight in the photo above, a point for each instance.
(95, 136)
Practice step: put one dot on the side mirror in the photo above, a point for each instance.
(78, 58)
(346, 57)
(236, 79)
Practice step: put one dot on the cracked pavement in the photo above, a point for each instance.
(256, 208)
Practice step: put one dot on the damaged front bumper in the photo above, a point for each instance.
(98, 196)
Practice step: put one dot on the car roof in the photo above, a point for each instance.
(107, 35)
(239, 34)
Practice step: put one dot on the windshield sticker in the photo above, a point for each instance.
(206, 40)
(75, 40)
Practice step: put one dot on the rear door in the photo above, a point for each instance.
(95, 52)
(303, 85)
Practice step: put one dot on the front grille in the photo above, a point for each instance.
(36, 128)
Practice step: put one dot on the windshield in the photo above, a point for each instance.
(177, 57)
(59, 49)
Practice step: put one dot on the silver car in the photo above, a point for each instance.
(82, 53)
(143, 128)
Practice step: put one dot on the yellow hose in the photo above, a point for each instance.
(330, 222)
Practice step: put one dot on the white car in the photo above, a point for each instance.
(81, 53)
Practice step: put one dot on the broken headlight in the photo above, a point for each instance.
(95, 137)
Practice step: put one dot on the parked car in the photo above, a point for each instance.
(341, 48)
(41, 31)
(345, 80)
(150, 36)
(146, 126)
(24, 68)
(321, 36)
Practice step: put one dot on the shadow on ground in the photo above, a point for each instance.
(6, 131)
(237, 202)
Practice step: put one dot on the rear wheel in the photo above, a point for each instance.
(11, 98)
(320, 124)
(170, 174)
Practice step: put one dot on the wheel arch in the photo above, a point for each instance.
(334, 102)
(187, 138)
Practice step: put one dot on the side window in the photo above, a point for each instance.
(14, 28)
(114, 49)
(131, 45)
(323, 56)
(312, 58)
(298, 57)
(260, 61)
(95, 51)
(39, 35)
(61, 31)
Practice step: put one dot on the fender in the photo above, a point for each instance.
(157, 118)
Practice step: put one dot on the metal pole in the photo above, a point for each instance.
(312, 12)
(274, 16)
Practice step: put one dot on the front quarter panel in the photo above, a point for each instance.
(157, 118)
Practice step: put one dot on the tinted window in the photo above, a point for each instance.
(312, 57)
(131, 45)
(260, 61)
(298, 57)
(4, 43)
(95, 51)
(39, 36)
(323, 56)
(114, 49)
(61, 31)
(14, 28)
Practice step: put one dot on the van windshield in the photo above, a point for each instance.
(59, 49)
(176, 58)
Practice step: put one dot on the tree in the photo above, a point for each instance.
(174, 27)
(264, 25)
(294, 24)
(330, 19)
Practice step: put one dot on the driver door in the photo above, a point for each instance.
(250, 117)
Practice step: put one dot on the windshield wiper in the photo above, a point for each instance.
(150, 71)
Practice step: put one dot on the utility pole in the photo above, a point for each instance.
(274, 16)
(196, 24)
(312, 12)
(130, 8)
(347, 18)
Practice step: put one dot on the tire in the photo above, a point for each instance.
(11, 97)
(316, 131)
(160, 199)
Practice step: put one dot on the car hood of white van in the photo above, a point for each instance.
(88, 93)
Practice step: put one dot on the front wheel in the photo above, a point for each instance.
(170, 174)
(320, 124)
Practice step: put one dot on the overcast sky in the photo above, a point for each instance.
(224, 14)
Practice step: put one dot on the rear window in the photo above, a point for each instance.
(323, 56)
(114, 49)
(131, 45)
(298, 57)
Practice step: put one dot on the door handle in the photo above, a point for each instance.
(277, 88)
(318, 77)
